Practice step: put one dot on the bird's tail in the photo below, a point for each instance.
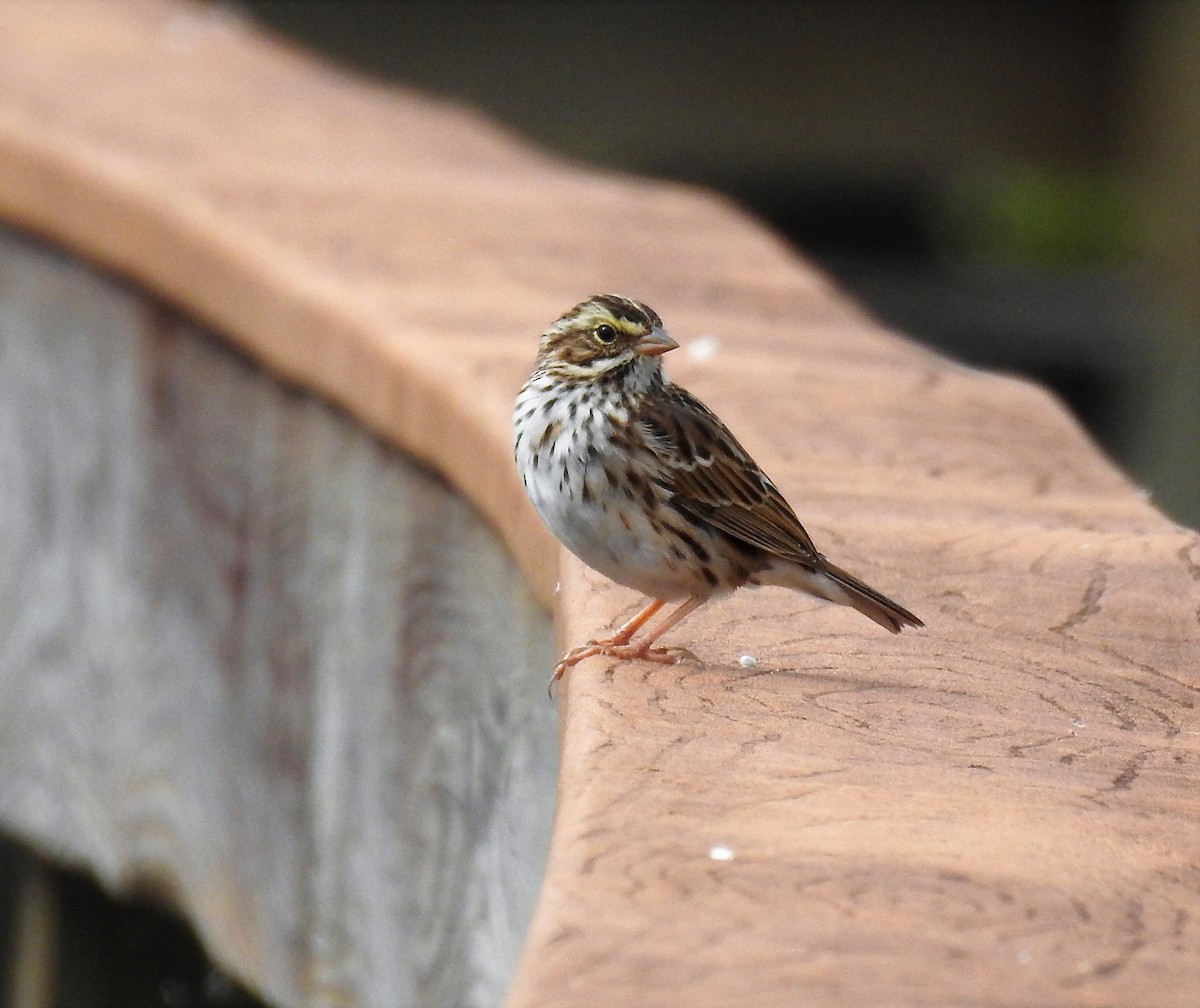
(872, 604)
(833, 584)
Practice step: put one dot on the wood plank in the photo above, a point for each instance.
(999, 810)
(256, 663)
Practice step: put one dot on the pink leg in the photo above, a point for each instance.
(634, 624)
(678, 616)
(618, 646)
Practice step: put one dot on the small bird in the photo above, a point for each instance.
(642, 482)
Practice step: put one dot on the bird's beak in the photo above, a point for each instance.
(655, 342)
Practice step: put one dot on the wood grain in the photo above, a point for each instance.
(999, 810)
(256, 663)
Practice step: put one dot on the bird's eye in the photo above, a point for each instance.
(605, 333)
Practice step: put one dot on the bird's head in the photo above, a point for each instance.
(602, 334)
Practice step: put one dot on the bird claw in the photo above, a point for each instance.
(675, 655)
(622, 652)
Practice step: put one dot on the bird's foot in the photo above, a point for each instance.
(673, 655)
(622, 651)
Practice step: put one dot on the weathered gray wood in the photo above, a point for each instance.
(255, 662)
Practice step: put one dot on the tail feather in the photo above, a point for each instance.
(833, 584)
(871, 603)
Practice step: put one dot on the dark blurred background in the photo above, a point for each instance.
(1017, 183)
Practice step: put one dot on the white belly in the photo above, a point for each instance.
(581, 497)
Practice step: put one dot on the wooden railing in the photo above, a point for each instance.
(259, 664)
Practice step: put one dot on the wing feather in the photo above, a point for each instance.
(711, 476)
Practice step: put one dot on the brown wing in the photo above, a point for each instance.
(712, 477)
(715, 479)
